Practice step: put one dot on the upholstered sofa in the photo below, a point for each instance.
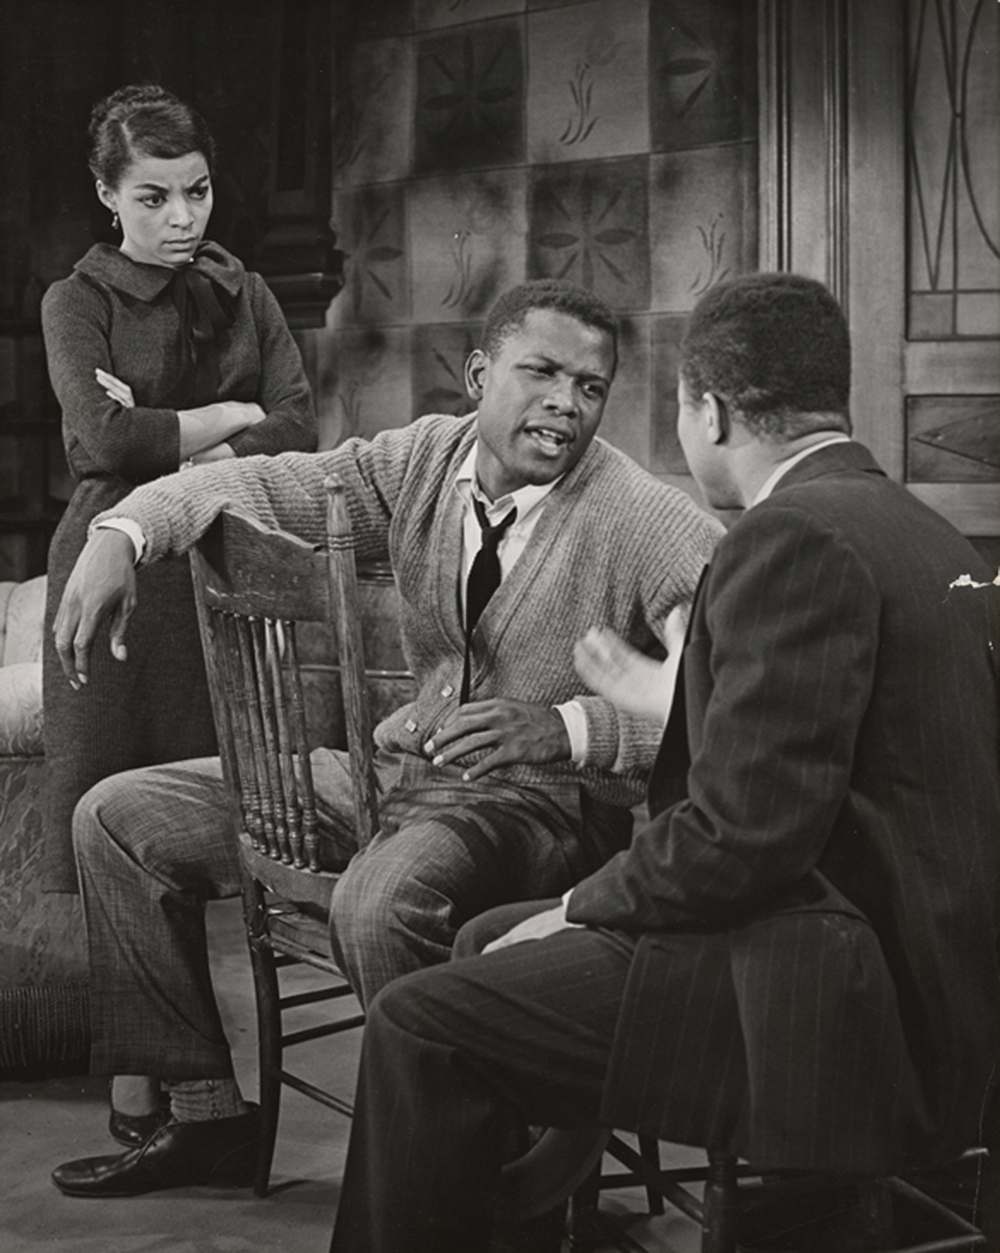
(43, 964)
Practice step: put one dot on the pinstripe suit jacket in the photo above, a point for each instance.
(815, 982)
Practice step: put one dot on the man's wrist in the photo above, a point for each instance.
(575, 721)
(565, 908)
(127, 527)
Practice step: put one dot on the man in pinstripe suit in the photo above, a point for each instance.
(796, 958)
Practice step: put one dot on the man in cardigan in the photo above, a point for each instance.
(796, 959)
(503, 780)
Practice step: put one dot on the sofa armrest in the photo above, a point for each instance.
(23, 608)
(21, 709)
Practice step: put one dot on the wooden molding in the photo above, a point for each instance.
(774, 147)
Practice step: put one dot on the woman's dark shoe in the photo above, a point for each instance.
(221, 1153)
(134, 1130)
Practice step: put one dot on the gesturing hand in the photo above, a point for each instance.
(514, 730)
(628, 678)
(101, 585)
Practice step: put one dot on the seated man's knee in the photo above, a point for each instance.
(95, 815)
(366, 901)
(415, 1005)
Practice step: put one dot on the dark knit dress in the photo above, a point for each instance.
(130, 320)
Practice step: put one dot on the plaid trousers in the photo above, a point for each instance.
(154, 845)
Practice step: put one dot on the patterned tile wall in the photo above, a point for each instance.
(481, 142)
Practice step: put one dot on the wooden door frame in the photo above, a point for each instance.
(832, 181)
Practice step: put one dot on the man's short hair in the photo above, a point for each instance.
(513, 307)
(776, 349)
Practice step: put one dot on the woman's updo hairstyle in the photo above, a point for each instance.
(143, 121)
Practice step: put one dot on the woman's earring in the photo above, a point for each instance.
(115, 223)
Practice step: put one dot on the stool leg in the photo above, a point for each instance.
(582, 1211)
(721, 1201)
(649, 1147)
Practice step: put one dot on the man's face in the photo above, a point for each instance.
(541, 399)
(706, 456)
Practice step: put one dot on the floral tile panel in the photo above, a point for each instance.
(702, 72)
(589, 224)
(371, 229)
(587, 81)
(436, 13)
(372, 114)
(703, 221)
(467, 241)
(626, 417)
(439, 356)
(364, 383)
(470, 98)
(377, 20)
(666, 454)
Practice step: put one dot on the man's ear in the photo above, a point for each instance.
(475, 373)
(717, 419)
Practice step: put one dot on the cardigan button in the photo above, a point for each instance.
(410, 725)
(447, 691)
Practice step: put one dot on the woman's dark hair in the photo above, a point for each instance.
(774, 346)
(143, 121)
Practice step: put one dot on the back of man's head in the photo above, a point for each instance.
(776, 349)
(514, 305)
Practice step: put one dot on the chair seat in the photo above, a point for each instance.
(311, 892)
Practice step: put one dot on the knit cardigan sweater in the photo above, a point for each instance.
(613, 548)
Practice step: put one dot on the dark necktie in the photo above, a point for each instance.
(484, 578)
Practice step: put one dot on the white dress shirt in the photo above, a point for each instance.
(528, 501)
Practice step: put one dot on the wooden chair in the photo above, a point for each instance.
(252, 588)
(739, 1209)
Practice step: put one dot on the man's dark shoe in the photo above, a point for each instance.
(134, 1130)
(218, 1154)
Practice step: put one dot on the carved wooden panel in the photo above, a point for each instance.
(953, 167)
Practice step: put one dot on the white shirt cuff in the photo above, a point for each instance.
(132, 529)
(576, 728)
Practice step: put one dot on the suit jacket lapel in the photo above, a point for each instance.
(668, 780)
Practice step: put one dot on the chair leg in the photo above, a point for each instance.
(878, 1230)
(583, 1212)
(721, 1202)
(265, 980)
(649, 1147)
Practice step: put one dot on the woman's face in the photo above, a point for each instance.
(164, 204)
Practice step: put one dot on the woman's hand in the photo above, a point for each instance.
(245, 412)
(115, 388)
(210, 425)
(219, 452)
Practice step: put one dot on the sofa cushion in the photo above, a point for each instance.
(21, 709)
(25, 619)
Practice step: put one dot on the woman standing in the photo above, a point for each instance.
(162, 352)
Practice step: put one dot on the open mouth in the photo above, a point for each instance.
(549, 439)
